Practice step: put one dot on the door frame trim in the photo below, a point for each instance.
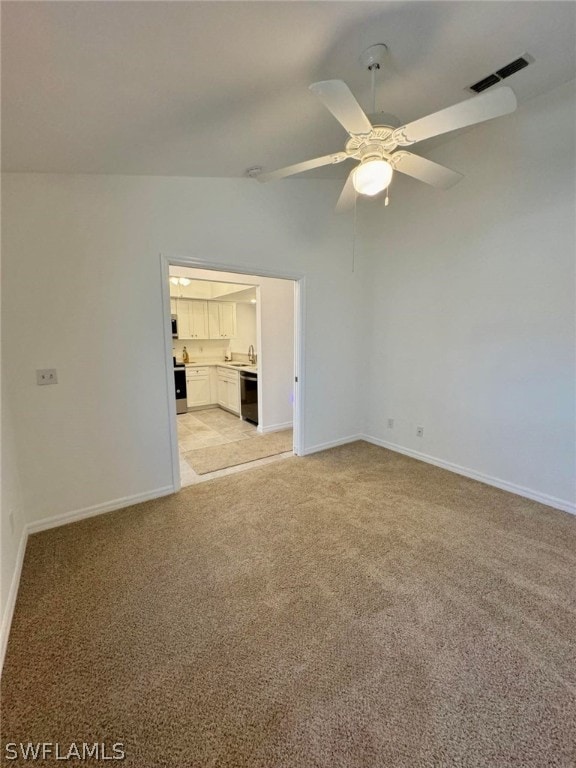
(184, 260)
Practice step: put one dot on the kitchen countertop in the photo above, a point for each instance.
(221, 364)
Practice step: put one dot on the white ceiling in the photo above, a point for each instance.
(212, 88)
(211, 289)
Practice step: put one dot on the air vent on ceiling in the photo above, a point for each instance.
(481, 85)
(502, 73)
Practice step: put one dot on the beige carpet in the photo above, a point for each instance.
(203, 460)
(349, 609)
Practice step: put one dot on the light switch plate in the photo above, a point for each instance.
(46, 376)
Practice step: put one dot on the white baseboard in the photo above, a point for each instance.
(275, 428)
(519, 490)
(331, 444)
(12, 594)
(98, 509)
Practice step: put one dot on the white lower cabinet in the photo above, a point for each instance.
(197, 387)
(222, 389)
(213, 385)
(229, 390)
(234, 392)
(209, 385)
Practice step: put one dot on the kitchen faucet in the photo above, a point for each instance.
(251, 355)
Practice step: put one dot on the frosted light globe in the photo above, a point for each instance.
(372, 177)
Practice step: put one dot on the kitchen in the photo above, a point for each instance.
(232, 412)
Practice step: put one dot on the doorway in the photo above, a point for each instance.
(235, 335)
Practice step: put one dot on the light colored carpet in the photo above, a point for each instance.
(350, 609)
(203, 460)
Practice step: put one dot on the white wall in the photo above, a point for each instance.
(245, 329)
(83, 295)
(12, 511)
(12, 534)
(276, 364)
(472, 295)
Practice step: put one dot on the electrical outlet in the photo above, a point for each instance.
(419, 431)
(390, 423)
(46, 376)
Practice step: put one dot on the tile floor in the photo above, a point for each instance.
(214, 426)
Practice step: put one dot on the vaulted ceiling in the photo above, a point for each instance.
(213, 88)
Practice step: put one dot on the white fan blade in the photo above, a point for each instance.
(338, 98)
(499, 102)
(307, 165)
(348, 195)
(425, 170)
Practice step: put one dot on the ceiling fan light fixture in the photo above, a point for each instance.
(375, 143)
(372, 177)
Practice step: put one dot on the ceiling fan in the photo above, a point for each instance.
(375, 146)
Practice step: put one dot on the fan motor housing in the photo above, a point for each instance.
(378, 143)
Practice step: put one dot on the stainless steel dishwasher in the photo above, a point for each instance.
(180, 388)
(249, 396)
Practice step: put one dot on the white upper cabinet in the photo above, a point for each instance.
(227, 312)
(192, 319)
(222, 319)
(205, 319)
(198, 312)
(214, 320)
(183, 319)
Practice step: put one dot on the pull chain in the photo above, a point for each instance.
(354, 236)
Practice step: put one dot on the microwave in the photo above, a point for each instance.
(174, 319)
